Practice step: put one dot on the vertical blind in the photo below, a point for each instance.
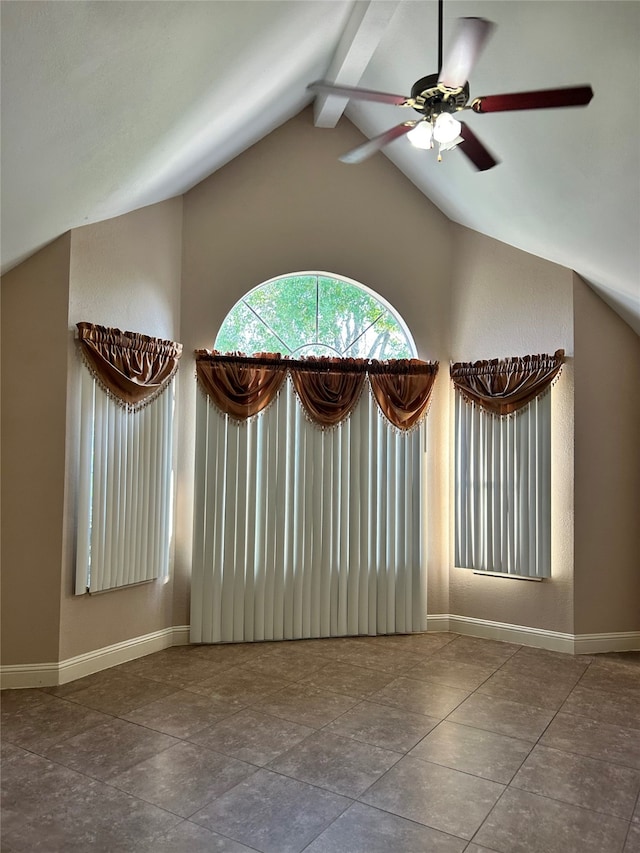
(503, 464)
(503, 489)
(304, 532)
(125, 486)
(125, 494)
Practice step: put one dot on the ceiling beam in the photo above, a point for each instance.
(360, 38)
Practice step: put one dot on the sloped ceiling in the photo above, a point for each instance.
(110, 106)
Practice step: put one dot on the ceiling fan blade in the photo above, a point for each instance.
(362, 152)
(574, 96)
(359, 94)
(468, 41)
(472, 148)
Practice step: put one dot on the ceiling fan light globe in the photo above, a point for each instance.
(422, 135)
(446, 128)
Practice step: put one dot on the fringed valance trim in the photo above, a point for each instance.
(106, 389)
(339, 409)
(239, 388)
(408, 424)
(237, 421)
(505, 386)
(516, 412)
(328, 389)
(131, 368)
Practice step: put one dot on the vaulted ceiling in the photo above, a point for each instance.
(110, 106)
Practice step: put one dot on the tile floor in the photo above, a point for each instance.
(405, 744)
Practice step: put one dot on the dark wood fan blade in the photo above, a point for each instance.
(468, 41)
(472, 148)
(359, 94)
(362, 152)
(575, 96)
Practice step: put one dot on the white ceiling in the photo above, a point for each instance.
(110, 106)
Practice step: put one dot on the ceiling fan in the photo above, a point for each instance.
(438, 97)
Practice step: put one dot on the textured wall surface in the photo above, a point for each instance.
(34, 388)
(607, 478)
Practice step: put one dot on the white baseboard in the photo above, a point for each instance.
(52, 674)
(507, 633)
(572, 644)
(438, 622)
(29, 675)
(622, 641)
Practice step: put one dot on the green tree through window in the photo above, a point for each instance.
(315, 314)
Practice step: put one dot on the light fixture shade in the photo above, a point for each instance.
(446, 128)
(422, 135)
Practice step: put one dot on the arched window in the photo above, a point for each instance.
(315, 313)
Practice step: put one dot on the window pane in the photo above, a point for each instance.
(385, 339)
(344, 312)
(242, 331)
(306, 350)
(288, 306)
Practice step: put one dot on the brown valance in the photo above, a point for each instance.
(328, 388)
(328, 396)
(504, 386)
(239, 387)
(132, 368)
(403, 397)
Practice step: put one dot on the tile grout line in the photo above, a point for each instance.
(551, 799)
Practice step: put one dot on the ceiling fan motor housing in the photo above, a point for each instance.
(431, 98)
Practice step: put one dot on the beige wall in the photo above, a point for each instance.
(34, 359)
(287, 205)
(125, 273)
(607, 479)
(507, 303)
